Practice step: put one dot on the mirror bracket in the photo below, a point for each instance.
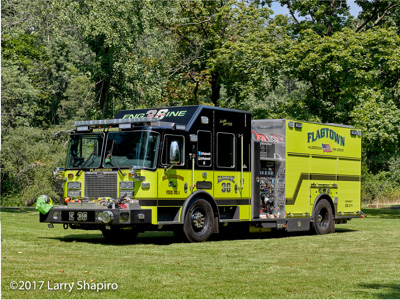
(168, 168)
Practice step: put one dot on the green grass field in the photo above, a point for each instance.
(361, 260)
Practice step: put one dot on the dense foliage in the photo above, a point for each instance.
(86, 59)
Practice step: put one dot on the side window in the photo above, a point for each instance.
(204, 148)
(225, 150)
(177, 150)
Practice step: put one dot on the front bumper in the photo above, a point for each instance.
(92, 216)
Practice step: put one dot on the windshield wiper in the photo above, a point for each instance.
(109, 158)
(85, 162)
(109, 155)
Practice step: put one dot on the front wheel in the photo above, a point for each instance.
(323, 222)
(199, 220)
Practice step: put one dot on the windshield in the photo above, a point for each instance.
(138, 148)
(85, 150)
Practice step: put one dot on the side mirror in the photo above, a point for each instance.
(59, 173)
(174, 153)
(60, 133)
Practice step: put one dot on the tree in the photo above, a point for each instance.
(340, 66)
(27, 160)
(322, 17)
(249, 61)
(195, 33)
(379, 117)
(17, 98)
(42, 44)
(124, 45)
(378, 13)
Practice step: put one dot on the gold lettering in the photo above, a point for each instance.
(225, 123)
(100, 170)
(173, 176)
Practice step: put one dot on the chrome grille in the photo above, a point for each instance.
(101, 184)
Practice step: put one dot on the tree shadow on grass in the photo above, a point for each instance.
(382, 213)
(17, 210)
(383, 291)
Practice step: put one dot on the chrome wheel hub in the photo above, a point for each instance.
(198, 220)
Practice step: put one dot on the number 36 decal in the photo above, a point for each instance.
(226, 187)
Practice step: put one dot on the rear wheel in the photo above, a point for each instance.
(199, 220)
(116, 234)
(323, 222)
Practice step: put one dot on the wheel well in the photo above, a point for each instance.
(199, 195)
(327, 197)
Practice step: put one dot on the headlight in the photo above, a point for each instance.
(57, 170)
(105, 216)
(74, 185)
(56, 215)
(133, 169)
(128, 193)
(74, 194)
(126, 185)
(124, 217)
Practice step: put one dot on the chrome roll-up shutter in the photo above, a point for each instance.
(101, 184)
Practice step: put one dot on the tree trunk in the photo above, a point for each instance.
(215, 88)
(102, 92)
(105, 96)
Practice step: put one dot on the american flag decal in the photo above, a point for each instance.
(326, 148)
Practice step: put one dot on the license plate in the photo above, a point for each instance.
(78, 216)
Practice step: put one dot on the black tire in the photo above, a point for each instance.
(119, 235)
(323, 221)
(199, 221)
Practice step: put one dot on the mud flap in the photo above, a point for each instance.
(216, 225)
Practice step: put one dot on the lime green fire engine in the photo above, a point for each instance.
(196, 170)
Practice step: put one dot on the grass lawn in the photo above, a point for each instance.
(361, 260)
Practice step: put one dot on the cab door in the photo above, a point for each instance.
(174, 180)
(226, 178)
(203, 174)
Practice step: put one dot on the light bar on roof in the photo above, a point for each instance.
(125, 126)
(110, 122)
(82, 128)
